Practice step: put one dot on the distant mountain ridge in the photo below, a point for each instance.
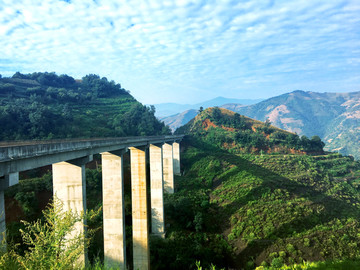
(335, 117)
(170, 109)
(180, 119)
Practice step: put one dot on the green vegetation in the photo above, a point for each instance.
(324, 265)
(273, 209)
(47, 242)
(238, 133)
(48, 106)
(278, 209)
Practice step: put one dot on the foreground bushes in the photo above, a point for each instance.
(47, 242)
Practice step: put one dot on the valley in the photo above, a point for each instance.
(251, 195)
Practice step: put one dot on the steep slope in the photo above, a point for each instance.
(272, 209)
(335, 117)
(46, 106)
(276, 209)
(180, 119)
(343, 134)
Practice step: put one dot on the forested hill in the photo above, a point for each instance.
(252, 196)
(239, 133)
(48, 106)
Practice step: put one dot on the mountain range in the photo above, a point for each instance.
(170, 109)
(335, 117)
(180, 119)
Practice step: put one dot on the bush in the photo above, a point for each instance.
(277, 262)
(48, 242)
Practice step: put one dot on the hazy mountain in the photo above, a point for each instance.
(169, 109)
(180, 119)
(335, 117)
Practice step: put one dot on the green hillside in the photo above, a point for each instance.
(335, 117)
(47, 106)
(238, 133)
(271, 209)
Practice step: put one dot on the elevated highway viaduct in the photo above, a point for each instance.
(68, 159)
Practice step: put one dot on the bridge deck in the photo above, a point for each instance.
(25, 155)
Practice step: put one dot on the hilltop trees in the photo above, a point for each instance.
(226, 129)
(44, 105)
(101, 87)
(140, 120)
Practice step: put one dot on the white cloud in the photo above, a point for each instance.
(177, 45)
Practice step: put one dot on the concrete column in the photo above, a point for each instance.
(113, 210)
(5, 182)
(2, 222)
(157, 190)
(176, 155)
(168, 168)
(141, 256)
(69, 186)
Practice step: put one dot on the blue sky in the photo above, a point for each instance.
(188, 51)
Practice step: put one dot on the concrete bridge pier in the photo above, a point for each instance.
(69, 187)
(2, 222)
(168, 168)
(141, 256)
(5, 182)
(176, 155)
(157, 190)
(113, 209)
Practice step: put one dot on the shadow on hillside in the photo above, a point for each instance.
(332, 207)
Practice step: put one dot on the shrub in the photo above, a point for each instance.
(290, 248)
(49, 244)
(282, 254)
(277, 262)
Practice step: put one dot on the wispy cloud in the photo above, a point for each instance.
(183, 49)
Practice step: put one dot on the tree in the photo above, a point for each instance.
(201, 109)
(305, 143)
(7, 88)
(267, 122)
(19, 75)
(49, 244)
(216, 114)
(101, 87)
(316, 143)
